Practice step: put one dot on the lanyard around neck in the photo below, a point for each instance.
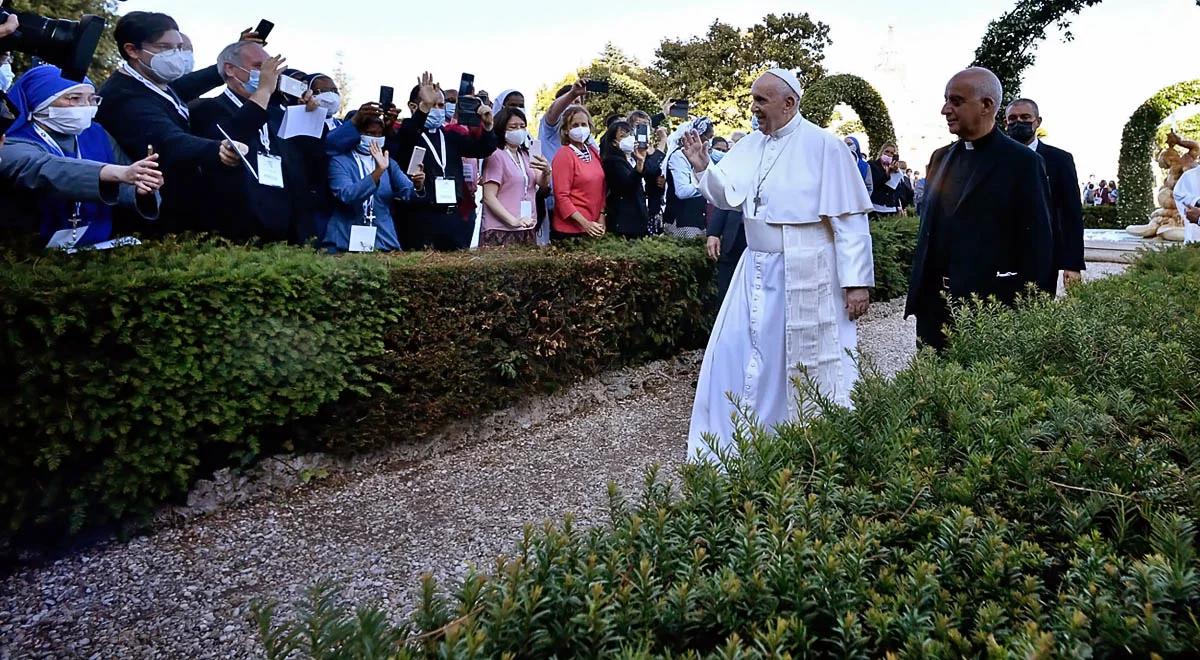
(520, 163)
(264, 132)
(368, 206)
(440, 160)
(180, 107)
(57, 150)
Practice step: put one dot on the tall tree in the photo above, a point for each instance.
(715, 71)
(628, 86)
(106, 58)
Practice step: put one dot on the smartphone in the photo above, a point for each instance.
(386, 94)
(679, 108)
(264, 29)
(414, 163)
(466, 85)
(597, 86)
(292, 87)
(643, 134)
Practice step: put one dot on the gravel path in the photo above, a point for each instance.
(186, 591)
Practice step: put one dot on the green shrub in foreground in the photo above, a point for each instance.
(1035, 494)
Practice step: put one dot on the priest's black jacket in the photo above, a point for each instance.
(986, 228)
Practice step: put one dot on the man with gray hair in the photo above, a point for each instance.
(264, 201)
(985, 229)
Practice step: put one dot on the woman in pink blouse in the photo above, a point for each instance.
(511, 179)
(578, 180)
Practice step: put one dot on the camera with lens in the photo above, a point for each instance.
(64, 43)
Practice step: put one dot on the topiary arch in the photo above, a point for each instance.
(822, 96)
(1009, 46)
(1138, 144)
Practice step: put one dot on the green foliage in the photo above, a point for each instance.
(894, 242)
(124, 371)
(125, 374)
(715, 71)
(628, 87)
(1138, 142)
(1103, 217)
(1033, 494)
(106, 58)
(479, 332)
(823, 95)
(1010, 45)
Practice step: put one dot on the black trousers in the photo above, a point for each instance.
(933, 314)
(431, 228)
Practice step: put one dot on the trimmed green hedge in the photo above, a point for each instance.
(1135, 170)
(1102, 217)
(1035, 493)
(824, 94)
(129, 374)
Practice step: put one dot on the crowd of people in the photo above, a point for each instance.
(269, 157)
(1104, 193)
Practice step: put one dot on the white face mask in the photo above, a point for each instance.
(580, 133)
(626, 144)
(331, 101)
(171, 65)
(6, 76)
(68, 121)
(516, 138)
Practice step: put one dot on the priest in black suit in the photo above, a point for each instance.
(986, 229)
(269, 203)
(1023, 119)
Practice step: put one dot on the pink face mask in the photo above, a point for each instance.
(885, 159)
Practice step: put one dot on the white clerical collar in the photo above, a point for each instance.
(789, 128)
(1034, 145)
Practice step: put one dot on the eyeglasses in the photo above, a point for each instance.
(82, 99)
(165, 48)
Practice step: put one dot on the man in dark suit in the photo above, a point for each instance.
(239, 204)
(726, 243)
(986, 226)
(1023, 119)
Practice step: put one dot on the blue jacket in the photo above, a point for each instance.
(351, 190)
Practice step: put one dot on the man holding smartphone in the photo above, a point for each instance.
(436, 222)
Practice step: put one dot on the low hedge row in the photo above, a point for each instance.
(128, 374)
(1035, 493)
(1102, 217)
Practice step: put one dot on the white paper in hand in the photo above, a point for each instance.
(298, 121)
(894, 181)
(362, 238)
(270, 170)
(526, 209)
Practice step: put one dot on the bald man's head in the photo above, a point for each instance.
(774, 102)
(972, 98)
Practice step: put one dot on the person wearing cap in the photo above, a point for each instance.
(803, 281)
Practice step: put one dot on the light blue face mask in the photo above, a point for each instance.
(365, 141)
(251, 85)
(450, 108)
(435, 119)
(716, 155)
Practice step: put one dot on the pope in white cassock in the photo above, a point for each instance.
(804, 278)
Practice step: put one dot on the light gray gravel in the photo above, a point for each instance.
(186, 591)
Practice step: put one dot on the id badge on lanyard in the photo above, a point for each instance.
(362, 237)
(445, 190)
(270, 167)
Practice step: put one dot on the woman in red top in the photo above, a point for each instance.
(578, 180)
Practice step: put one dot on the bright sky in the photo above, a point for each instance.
(1124, 51)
